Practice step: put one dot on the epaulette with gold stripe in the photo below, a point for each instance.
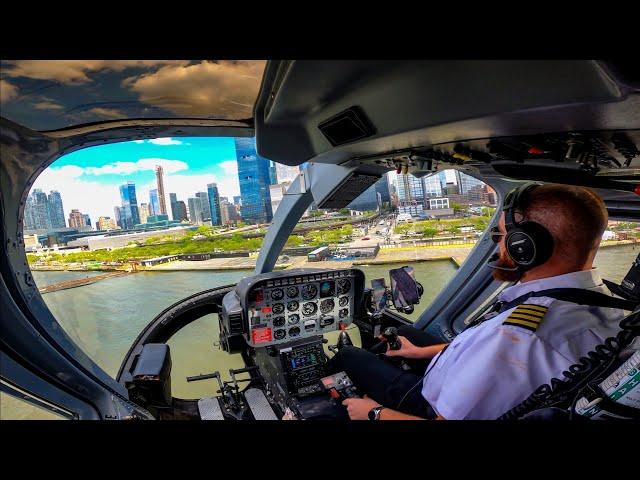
(527, 316)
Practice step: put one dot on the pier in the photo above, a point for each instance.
(79, 282)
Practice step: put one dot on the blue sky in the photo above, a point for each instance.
(88, 179)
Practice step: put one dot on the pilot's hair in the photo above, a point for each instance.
(576, 217)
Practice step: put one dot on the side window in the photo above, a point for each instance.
(12, 408)
(429, 223)
(619, 247)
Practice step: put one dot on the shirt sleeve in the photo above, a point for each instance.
(488, 375)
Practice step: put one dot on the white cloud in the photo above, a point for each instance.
(144, 164)
(229, 166)
(48, 105)
(165, 141)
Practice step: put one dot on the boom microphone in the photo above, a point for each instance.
(495, 257)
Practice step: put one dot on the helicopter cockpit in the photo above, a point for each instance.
(578, 124)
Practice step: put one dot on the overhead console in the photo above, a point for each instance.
(280, 307)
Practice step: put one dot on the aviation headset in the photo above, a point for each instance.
(527, 243)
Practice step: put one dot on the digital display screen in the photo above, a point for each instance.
(327, 289)
(303, 361)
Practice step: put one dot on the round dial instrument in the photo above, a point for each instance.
(294, 331)
(344, 286)
(343, 313)
(343, 301)
(309, 291)
(279, 334)
(292, 291)
(277, 294)
(309, 308)
(278, 322)
(327, 305)
(292, 306)
(293, 319)
(277, 308)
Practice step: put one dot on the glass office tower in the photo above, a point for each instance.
(254, 178)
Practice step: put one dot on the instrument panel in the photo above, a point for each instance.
(290, 307)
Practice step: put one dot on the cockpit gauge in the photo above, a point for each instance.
(277, 294)
(309, 308)
(292, 306)
(309, 291)
(327, 305)
(343, 301)
(343, 313)
(343, 286)
(293, 319)
(294, 331)
(277, 308)
(278, 322)
(279, 334)
(292, 292)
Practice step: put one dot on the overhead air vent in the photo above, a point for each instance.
(348, 191)
(347, 127)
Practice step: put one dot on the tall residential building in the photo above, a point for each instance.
(409, 189)
(106, 223)
(228, 213)
(38, 211)
(159, 179)
(144, 212)
(87, 219)
(214, 204)
(433, 184)
(205, 208)
(195, 210)
(253, 175)
(285, 173)
(237, 200)
(76, 219)
(154, 202)
(181, 208)
(129, 214)
(56, 211)
(117, 216)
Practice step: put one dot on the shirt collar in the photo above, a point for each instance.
(585, 279)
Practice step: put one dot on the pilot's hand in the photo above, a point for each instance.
(358, 408)
(407, 349)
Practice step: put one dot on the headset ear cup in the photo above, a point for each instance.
(543, 241)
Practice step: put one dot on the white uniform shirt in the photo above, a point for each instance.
(491, 368)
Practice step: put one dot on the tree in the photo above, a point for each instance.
(456, 207)
(430, 232)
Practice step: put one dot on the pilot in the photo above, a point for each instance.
(548, 236)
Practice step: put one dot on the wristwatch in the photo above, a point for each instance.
(374, 413)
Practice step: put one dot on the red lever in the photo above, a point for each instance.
(535, 151)
(334, 393)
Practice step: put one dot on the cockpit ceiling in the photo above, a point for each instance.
(54, 94)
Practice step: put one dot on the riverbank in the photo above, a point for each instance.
(388, 255)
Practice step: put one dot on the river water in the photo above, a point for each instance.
(104, 318)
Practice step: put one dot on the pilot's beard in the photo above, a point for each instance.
(506, 275)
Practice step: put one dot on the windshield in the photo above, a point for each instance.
(53, 94)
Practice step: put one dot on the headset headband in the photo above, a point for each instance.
(512, 201)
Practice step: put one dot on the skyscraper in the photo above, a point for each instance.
(382, 187)
(409, 189)
(181, 208)
(214, 204)
(87, 219)
(117, 216)
(163, 206)
(195, 210)
(144, 212)
(154, 203)
(253, 174)
(273, 174)
(76, 219)
(205, 208)
(173, 200)
(38, 213)
(129, 215)
(467, 182)
(237, 200)
(56, 211)
(433, 184)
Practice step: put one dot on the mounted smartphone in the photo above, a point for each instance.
(404, 288)
(379, 296)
